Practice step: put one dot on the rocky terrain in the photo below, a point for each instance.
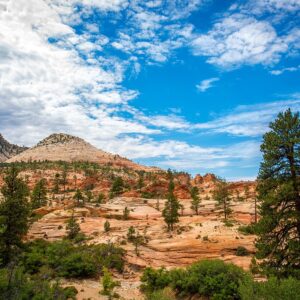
(8, 150)
(143, 193)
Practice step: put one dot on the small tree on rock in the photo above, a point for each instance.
(171, 209)
(126, 213)
(117, 187)
(108, 284)
(72, 227)
(195, 199)
(106, 226)
(222, 196)
(39, 194)
(78, 197)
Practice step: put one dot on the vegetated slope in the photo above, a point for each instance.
(8, 150)
(68, 148)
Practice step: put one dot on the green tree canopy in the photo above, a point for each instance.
(278, 193)
(14, 214)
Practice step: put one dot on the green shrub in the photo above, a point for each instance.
(165, 294)
(241, 251)
(213, 279)
(273, 289)
(247, 229)
(16, 284)
(66, 259)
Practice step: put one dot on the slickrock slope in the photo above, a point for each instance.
(8, 150)
(68, 148)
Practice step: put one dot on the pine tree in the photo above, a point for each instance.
(117, 187)
(195, 199)
(126, 213)
(172, 206)
(100, 198)
(39, 194)
(56, 184)
(72, 227)
(64, 179)
(278, 193)
(222, 196)
(106, 226)
(14, 215)
(130, 233)
(78, 197)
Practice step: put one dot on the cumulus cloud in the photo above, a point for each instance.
(206, 84)
(239, 39)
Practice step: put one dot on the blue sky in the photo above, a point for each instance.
(188, 85)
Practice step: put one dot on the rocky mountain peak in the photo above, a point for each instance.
(59, 138)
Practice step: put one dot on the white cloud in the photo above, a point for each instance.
(271, 6)
(239, 39)
(249, 120)
(281, 71)
(206, 84)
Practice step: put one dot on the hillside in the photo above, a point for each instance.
(8, 150)
(68, 148)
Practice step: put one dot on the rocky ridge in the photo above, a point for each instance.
(8, 150)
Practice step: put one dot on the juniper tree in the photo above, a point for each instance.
(172, 206)
(14, 214)
(222, 196)
(39, 194)
(278, 193)
(195, 199)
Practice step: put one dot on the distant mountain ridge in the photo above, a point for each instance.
(69, 148)
(8, 150)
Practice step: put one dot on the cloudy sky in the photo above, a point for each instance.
(183, 84)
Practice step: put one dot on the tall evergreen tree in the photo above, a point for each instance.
(172, 206)
(222, 196)
(195, 199)
(39, 194)
(14, 214)
(278, 194)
